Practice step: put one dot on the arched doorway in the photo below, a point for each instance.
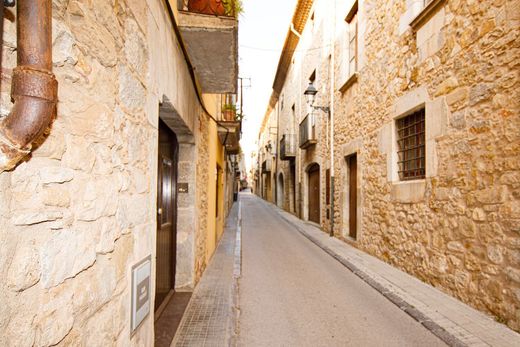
(280, 191)
(313, 193)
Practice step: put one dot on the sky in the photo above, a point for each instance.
(261, 33)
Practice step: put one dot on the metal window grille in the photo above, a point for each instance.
(410, 140)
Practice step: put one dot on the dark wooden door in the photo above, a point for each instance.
(293, 180)
(352, 195)
(314, 193)
(166, 214)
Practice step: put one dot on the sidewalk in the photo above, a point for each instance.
(452, 321)
(211, 317)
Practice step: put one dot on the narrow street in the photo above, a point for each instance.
(294, 294)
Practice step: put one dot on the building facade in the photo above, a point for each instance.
(410, 148)
(136, 165)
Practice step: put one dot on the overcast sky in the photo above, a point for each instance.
(262, 29)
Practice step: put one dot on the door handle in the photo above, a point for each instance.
(159, 211)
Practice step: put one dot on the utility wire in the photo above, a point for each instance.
(279, 50)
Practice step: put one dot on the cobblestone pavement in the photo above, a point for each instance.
(292, 293)
(454, 322)
(210, 318)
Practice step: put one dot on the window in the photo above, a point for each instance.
(352, 28)
(312, 78)
(411, 149)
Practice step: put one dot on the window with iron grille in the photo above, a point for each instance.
(411, 149)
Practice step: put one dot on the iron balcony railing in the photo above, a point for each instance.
(225, 8)
(307, 132)
(288, 146)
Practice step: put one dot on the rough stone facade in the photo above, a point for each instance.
(458, 228)
(77, 214)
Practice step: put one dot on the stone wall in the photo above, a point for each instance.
(77, 214)
(457, 229)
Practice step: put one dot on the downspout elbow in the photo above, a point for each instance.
(34, 93)
(34, 87)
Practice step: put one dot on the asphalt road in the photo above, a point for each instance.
(294, 294)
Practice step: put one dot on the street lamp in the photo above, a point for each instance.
(310, 95)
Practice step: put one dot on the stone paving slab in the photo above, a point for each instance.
(456, 323)
(211, 316)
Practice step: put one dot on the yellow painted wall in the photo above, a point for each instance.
(215, 224)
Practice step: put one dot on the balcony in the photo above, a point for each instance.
(228, 107)
(266, 164)
(288, 147)
(307, 132)
(230, 124)
(209, 29)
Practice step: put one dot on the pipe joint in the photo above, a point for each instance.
(35, 93)
(36, 83)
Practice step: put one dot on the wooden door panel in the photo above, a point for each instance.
(166, 214)
(352, 165)
(314, 194)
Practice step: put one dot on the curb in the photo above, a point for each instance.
(422, 318)
(237, 273)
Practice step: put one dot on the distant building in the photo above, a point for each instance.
(417, 102)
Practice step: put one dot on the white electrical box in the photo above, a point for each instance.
(141, 288)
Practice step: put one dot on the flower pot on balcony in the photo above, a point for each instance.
(211, 7)
(229, 115)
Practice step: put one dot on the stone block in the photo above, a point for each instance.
(109, 232)
(30, 218)
(79, 155)
(55, 174)
(492, 195)
(479, 215)
(24, 271)
(55, 319)
(56, 196)
(91, 36)
(131, 92)
(66, 253)
(513, 274)
(63, 47)
(132, 210)
(409, 192)
(96, 199)
(96, 122)
(135, 48)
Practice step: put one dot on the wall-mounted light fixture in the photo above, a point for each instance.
(310, 95)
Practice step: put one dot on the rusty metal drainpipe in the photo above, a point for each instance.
(34, 88)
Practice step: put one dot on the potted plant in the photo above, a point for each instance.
(233, 8)
(229, 112)
(212, 7)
